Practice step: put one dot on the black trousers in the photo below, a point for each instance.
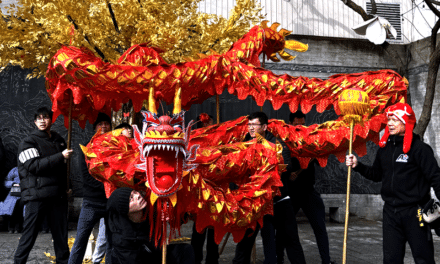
(176, 254)
(283, 223)
(401, 226)
(313, 207)
(16, 219)
(197, 242)
(56, 211)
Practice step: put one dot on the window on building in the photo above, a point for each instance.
(390, 12)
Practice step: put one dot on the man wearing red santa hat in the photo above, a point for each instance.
(407, 168)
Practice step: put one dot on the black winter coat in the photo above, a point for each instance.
(92, 188)
(43, 173)
(406, 178)
(305, 182)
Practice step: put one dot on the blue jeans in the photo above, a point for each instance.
(91, 213)
(100, 246)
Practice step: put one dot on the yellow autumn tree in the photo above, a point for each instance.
(33, 30)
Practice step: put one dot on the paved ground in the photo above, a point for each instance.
(364, 244)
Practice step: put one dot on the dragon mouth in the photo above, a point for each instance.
(164, 164)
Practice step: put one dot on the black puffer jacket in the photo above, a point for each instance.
(41, 166)
(406, 178)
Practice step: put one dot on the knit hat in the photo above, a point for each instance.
(121, 197)
(102, 117)
(405, 114)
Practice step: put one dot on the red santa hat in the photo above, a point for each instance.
(405, 114)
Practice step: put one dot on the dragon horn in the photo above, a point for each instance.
(296, 45)
(275, 26)
(152, 101)
(177, 101)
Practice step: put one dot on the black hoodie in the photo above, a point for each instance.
(406, 178)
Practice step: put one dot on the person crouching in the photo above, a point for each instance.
(129, 229)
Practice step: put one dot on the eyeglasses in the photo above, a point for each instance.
(41, 118)
(253, 125)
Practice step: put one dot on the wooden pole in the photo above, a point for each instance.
(217, 101)
(69, 139)
(164, 245)
(224, 243)
(347, 203)
(263, 65)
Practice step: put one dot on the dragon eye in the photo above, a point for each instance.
(177, 127)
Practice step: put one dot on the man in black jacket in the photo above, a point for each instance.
(283, 220)
(94, 200)
(304, 196)
(43, 182)
(407, 168)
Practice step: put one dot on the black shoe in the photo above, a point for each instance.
(332, 262)
(16, 232)
(10, 232)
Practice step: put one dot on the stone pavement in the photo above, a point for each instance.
(364, 244)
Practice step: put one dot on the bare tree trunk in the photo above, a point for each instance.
(425, 117)
(434, 62)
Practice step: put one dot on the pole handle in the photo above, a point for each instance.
(347, 198)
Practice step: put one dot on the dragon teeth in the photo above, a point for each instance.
(147, 150)
(164, 147)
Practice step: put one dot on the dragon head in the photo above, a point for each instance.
(274, 42)
(163, 146)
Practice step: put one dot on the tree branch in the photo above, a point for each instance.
(435, 2)
(358, 9)
(100, 53)
(431, 6)
(115, 23)
(373, 7)
(434, 35)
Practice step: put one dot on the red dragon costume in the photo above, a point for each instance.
(183, 171)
